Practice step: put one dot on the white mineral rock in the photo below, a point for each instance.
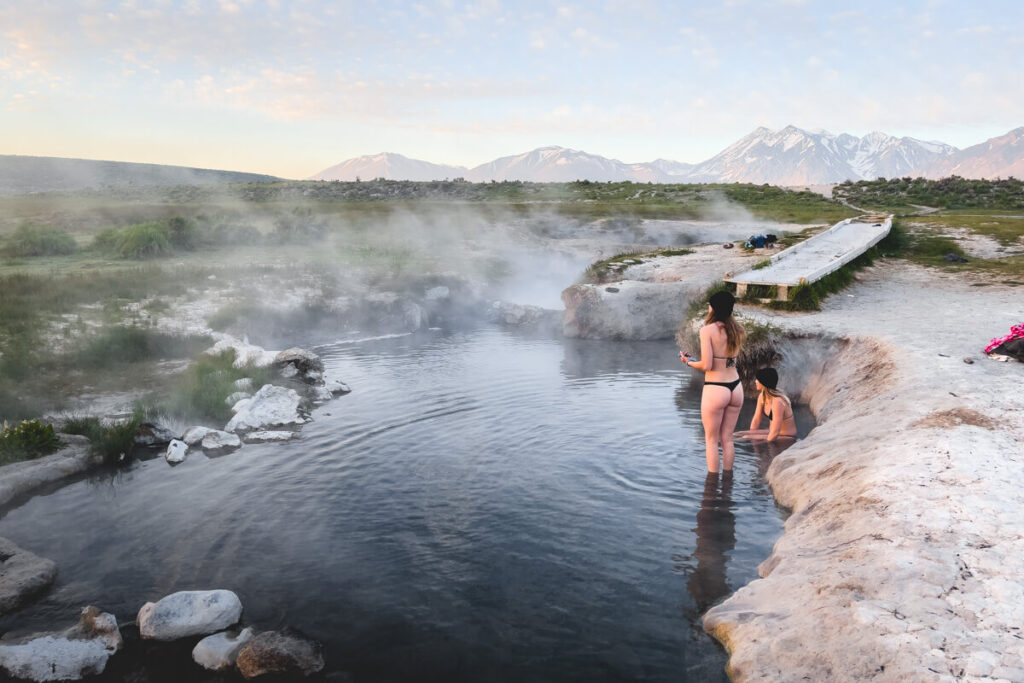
(271, 406)
(219, 651)
(216, 439)
(80, 651)
(189, 613)
(176, 451)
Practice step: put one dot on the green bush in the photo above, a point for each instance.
(202, 389)
(30, 240)
(113, 442)
(27, 440)
(148, 240)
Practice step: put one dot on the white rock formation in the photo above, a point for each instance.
(320, 394)
(239, 404)
(271, 406)
(19, 478)
(194, 435)
(22, 575)
(216, 439)
(234, 398)
(336, 386)
(219, 651)
(80, 651)
(189, 613)
(246, 354)
(176, 451)
(244, 384)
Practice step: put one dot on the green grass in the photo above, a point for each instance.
(611, 269)
(1007, 230)
(953, 192)
(30, 240)
(118, 345)
(115, 441)
(201, 390)
(26, 440)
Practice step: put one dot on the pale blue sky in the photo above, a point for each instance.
(290, 88)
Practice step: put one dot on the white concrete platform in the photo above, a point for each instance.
(816, 257)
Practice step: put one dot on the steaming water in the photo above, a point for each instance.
(483, 507)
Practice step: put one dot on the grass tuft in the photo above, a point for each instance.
(27, 440)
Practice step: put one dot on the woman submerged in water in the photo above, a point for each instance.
(722, 396)
(774, 405)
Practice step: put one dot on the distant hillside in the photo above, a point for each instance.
(24, 174)
(389, 166)
(999, 157)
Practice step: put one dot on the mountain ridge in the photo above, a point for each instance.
(789, 156)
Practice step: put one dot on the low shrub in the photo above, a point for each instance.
(27, 440)
(203, 387)
(116, 345)
(29, 240)
(115, 441)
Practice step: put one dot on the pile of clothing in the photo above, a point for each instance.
(1011, 345)
(758, 241)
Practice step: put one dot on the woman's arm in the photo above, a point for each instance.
(778, 417)
(755, 422)
(706, 354)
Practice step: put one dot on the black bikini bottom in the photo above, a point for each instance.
(728, 385)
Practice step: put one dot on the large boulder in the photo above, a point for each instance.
(271, 406)
(80, 651)
(305, 364)
(278, 653)
(219, 651)
(189, 613)
(22, 575)
(628, 310)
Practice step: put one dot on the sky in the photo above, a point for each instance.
(290, 88)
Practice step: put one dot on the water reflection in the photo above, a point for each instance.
(716, 537)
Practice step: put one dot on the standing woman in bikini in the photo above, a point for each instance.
(722, 396)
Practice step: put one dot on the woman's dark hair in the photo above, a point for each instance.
(721, 312)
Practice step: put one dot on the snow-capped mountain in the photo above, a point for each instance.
(999, 157)
(793, 156)
(391, 166)
(559, 164)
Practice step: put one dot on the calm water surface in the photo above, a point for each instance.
(484, 506)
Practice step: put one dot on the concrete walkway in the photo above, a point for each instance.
(817, 256)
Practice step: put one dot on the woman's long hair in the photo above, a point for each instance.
(734, 332)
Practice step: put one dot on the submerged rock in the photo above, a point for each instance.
(271, 406)
(278, 653)
(319, 394)
(22, 575)
(336, 386)
(220, 651)
(189, 613)
(265, 435)
(80, 651)
(216, 440)
(20, 478)
(176, 451)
